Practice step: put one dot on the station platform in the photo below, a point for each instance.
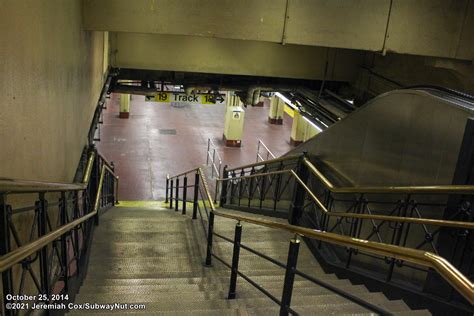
(158, 139)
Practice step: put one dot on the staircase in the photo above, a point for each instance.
(154, 256)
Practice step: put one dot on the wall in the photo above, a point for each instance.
(227, 56)
(411, 70)
(441, 28)
(51, 74)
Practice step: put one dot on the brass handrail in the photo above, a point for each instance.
(255, 164)
(427, 259)
(15, 256)
(425, 221)
(32, 186)
(413, 189)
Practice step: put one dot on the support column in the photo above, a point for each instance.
(277, 108)
(124, 106)
(234, 121)
(298, 128)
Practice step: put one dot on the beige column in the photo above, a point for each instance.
(124, 106)
(277, 108)
(234, 121)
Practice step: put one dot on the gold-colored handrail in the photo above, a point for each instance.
(15, 256)
(414, 220)
(427, 259)
(31, 186)
(413, 189)
(261, 163)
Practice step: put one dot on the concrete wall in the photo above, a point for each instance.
(413, 70)
(227, 56)
(441, 28)
(51, 73)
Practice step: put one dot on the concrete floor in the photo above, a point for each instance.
(143, 154)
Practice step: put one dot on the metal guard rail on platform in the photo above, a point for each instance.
(427, 259)
(25, 186)
(269, 153)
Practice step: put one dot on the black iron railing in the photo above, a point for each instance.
(412, 256)
(419, 217)
(176, 196)
(44, 245)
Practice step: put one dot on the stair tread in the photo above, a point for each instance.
(154, 256)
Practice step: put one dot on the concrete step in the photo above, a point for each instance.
(216, 286)
(155, 257)
(196, 280)
(169, 302)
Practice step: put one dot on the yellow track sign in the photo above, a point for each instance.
(183, 98)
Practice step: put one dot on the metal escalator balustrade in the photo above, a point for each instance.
(414, 256)
(60, 249)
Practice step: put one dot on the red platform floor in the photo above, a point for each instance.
(143, 155)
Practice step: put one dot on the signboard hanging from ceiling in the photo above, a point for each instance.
(175, 97)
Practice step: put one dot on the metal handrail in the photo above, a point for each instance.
(427, 259)
(413, 189)
(212, 158)
(425, 221)
(19, 254)
(269, 153)
(31, 186)
(262, 163)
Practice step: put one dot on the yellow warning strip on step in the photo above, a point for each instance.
(160, 204)
(141, 204)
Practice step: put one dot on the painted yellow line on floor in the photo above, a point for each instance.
(156, 204)
(141, 204)
(289, 111)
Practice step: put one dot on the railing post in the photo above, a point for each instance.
(235, 261)
(176, 199)
(185, 193)
(167, 187)
(213, 162)
(262, 187)
(171, 193)
(76, 214)
(242, 174)
(250, 186)
(289, 275)
(299, 193)
(210, 233)
(42, 210)
(225, 175)
(112, 184)
(208, 147)
(398, 234)
(196, 195)
(5, 247)
(64, 250)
